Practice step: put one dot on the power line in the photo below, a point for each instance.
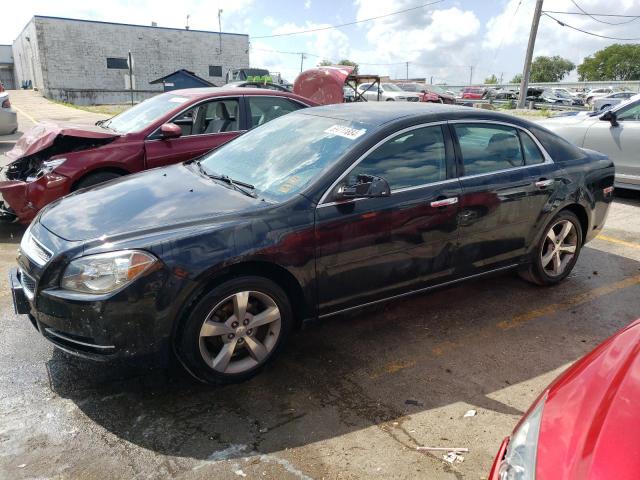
(601, 21)
(589, 33)
(286, 53)
(350, 23)
(594, 14)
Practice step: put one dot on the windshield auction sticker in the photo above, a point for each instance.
(346, 132)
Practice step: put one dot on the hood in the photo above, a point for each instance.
(157, 199)
(566, 120)
(323, 85)
(590, 426)
(44, 136)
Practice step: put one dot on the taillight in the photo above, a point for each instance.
(6, 104)
(607, 191)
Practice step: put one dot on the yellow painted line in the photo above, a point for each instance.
(571, 302)
(489, 331)
(25, 114)
(619, 242)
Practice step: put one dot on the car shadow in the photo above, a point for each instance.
(378, 366)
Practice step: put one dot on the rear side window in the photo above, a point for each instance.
(488, 148)
(532, 154)
(265, 109)
(411, 159)
(560, 149)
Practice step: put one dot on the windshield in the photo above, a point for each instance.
(392, 87)
(141, 115)
(283, 156)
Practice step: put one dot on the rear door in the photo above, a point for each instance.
(369, 249)
(205, 126)
(621, 143)
(495, 216)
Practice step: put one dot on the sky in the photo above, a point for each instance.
(452, 41)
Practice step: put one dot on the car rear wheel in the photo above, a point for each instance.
(95, 178)
(235, 330)
(557, 251)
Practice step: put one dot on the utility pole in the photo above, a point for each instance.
(431, 82)
(526, 71)
(470, 74)
(220, 30)
(301, 61)
(407, 70)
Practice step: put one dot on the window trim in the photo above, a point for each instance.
(547, 158)
(322, 203)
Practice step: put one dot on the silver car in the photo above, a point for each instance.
(605, 103)
(388, 92)
(8, 116)
(615, 132)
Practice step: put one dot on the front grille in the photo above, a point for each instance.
(33, 249)
(412, 99)
(28, 283)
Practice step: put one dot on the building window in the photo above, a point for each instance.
(215, 71)
(119, 63)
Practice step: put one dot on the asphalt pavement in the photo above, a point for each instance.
(350, 397)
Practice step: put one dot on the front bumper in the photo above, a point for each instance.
(20, 200)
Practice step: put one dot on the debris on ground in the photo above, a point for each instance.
(453, 457)
(414, 402)
(443, 449)
(470, 413)
(240, 473)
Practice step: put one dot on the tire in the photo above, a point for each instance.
(553, 262)
(390, 100)
(218, 349)
(94, 179)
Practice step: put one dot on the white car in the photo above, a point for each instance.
(605, 103)
(615, 132)
(389, 92)
(8, 116)
(592, 94)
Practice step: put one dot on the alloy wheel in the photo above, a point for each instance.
(559, 248)
(240, 332)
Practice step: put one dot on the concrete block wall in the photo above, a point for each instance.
(74, 53)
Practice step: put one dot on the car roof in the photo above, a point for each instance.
(233, 90)
(380, 113)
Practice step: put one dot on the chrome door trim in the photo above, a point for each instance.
(413, 292)
(365, 154)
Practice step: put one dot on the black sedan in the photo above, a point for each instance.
(318, 212)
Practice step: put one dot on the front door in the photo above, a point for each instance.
(204, 127)
(370, 249)
(495, 216)
(621, 142)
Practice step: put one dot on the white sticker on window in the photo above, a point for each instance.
(346, 132)
(178, 99)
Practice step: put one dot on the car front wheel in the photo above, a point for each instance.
(557, 251)
(235, 329)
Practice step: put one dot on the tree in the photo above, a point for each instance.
(517, 78)
(616, 62)
(491, 80)
(550, 69)
(344, 61)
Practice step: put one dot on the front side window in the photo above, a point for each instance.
(410, 159)
(217, 116)
(488, 148)
(265, 109)
(629, 113)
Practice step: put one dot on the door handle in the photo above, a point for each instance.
(544, 183)
(444, 202)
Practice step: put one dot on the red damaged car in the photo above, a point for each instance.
(50, 161)
(586, 424)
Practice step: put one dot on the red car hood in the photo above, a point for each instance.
(44, 135)
(591, 421)
(323, 85)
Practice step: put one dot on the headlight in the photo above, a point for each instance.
(520, 459)
(47, 167)
(106, 272)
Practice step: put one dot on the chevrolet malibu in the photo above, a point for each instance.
(50, 161)
(318, 212)
(584, 425)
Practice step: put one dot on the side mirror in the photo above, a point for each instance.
(610, 116)
(365, 186)
(170, 130)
